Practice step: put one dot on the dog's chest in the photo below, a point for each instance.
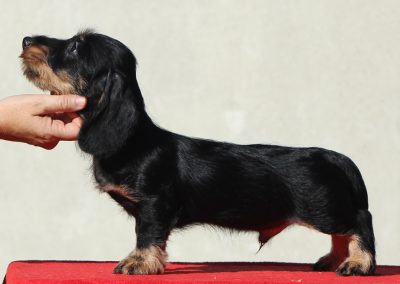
(106, 183)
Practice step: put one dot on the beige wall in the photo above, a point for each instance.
(301, 73)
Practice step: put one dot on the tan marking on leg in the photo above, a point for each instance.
(121, 190)
(150, 260)
(358, 259)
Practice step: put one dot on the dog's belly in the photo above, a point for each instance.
(250, 217)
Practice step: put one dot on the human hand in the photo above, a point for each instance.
(41, 120)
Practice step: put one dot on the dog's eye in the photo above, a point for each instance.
(73, 48)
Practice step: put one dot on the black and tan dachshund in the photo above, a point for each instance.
(168, 181)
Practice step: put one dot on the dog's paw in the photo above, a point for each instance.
(353, 268)
(328, 262)
(325, 263)
(142, 261)
(133, 265)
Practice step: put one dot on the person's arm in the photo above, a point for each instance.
(40, 120)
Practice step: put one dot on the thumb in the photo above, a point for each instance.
(63, 103)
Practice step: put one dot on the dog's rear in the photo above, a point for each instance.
(167, 180)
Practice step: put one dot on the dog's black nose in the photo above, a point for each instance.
(26, 42)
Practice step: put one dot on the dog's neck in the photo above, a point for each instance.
(123, 124)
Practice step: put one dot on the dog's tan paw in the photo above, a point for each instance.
(360, 260)
(352, 268)
(143, 261)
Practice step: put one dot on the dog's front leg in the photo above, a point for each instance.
(152, 230)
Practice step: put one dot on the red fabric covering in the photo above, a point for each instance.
(46, 272)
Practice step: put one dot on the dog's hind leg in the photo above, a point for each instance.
(361, 259)
(352, 253)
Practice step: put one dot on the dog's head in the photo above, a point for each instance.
(97, 67)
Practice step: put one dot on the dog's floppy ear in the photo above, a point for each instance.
(109, 117)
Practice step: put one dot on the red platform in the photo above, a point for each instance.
(78, 272)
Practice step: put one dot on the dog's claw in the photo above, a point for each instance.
(351, 268)
(118, 269)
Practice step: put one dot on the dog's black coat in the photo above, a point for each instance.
(173, 181)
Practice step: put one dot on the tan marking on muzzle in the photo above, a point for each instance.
(38, 71)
